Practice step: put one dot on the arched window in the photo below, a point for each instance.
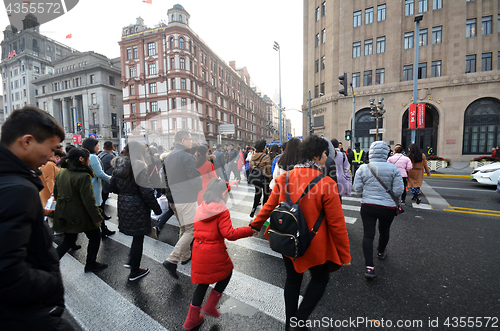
(181, 43)
(173, 18)
(180, 18)
(171, 43)
(481, 126)
(131, 30)
(189, 45)
(136, 29)
(35, 44)
(365, 122)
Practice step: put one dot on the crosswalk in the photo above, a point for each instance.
(103, 301)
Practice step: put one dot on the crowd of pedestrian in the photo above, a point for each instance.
(192, 182)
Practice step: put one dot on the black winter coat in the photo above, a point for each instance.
(31, 283)
(219, 160)
(135, 196)
(106, 158)
(184, 179)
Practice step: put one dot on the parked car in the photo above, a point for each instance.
(487, 174)
(498, 185)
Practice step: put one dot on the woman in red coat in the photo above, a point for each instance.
(211, 262)
(329, 250)
(206, 169)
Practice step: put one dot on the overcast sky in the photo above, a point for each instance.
(239, 30)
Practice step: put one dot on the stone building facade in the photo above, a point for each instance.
(372, 41)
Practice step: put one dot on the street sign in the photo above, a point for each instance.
(226, 129)
(374, 131)
(92, 135)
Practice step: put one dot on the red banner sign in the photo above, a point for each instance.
(74, 139)
(79, 139)
(421, 116)
(412, 116)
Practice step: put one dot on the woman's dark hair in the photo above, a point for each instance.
(89, 144)
(335, 143)
(74, 156)
(313, 146)
(415, 153)
(290, 156)
(201, 155)
(274, 151)
(59, 153)
(398, 149)
(260, 145)
(215, 188)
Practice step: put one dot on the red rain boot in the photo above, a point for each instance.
(194, 318)
(210, 308)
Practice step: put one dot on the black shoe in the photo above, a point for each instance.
(418, 201)
(414, 197)
(139, 274)
(106, 217)
(252, 213)
(187, 261)
(96, 266)
(370, 273)
(105, 232)
(156, 233)
(76, 247)
(383, 255)
(171, 268)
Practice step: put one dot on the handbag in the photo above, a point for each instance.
(397, 200)
(256, 177)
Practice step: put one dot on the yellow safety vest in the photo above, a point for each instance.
(357, 156)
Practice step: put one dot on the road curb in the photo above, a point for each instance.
(450, 176)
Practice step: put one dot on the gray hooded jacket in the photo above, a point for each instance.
(366, 183)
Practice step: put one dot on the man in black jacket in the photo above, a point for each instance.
(184, 182)
(106, 156)
(31, 288)
(232, 167)
(220, 163)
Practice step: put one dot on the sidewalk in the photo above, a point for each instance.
(457, 170)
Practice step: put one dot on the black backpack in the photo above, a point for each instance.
(288, 231)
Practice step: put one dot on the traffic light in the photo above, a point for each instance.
(343, 82)
(348, 134)
(79, 126)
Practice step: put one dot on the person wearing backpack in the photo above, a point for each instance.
(329, 249)
(261, 160)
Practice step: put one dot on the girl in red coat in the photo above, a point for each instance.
(206, 169)
(211, 262)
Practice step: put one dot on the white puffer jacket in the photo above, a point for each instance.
(366, 183)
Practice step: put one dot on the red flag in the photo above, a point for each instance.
(148, 1)
(421, 115)
(68, 36)
(412, 114)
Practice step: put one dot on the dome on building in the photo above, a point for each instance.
(179, 6)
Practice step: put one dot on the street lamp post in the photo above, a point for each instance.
(418, 18)
(309, 111)
(277, 48)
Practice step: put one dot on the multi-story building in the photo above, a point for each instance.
(272, 119)
(26, 55)
(172, 81)
(84, 88)
(373, 42)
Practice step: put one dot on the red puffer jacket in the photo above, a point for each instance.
(211, 262)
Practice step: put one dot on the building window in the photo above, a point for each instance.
(486, 62)
(356, 79)
(133, 72)
(409, 7)
(316, 91)
(323, 36)
(367, 78)
(471, 28)
(153, 106)
(356, 49)
(381, 12)
(111, 81)
(172, 63)
(487, 24)
(171, 43)
(93, 98)
(322, 89)
(317, 40)
(152, 88)
(381, 45)
(481, 129)
(408, 40)
(182, 63)
(174, 105)
(379, 76)
(437, 33)
(172, 83)
(129, 53)
(181, 43)
(422, 6)
(183, 83)
(356, 19)
(323, 60)
(323, 8)
(152, 69)
(369, 15)
(132, 89)
(437, 4)
(422, 70)
(92, 79)
(470, 63)
(436, 69)
(136, 53)
(151, 49)
(317, 14)
(112, 99)
(183, 103)
(369, 47)
(408, 72)
(132, 108)
(316, 66)
(423, 37)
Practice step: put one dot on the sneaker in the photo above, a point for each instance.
(139, 274)
(418, 201)
(382, 256)
(187, 261)
(252, 213)
(370, 273)
(76, 247)
(128, 265)
(156, 233)
(171, 268)
(96, 266)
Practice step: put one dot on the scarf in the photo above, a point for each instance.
(310, 164)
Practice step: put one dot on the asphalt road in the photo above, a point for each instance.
(441, 266)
